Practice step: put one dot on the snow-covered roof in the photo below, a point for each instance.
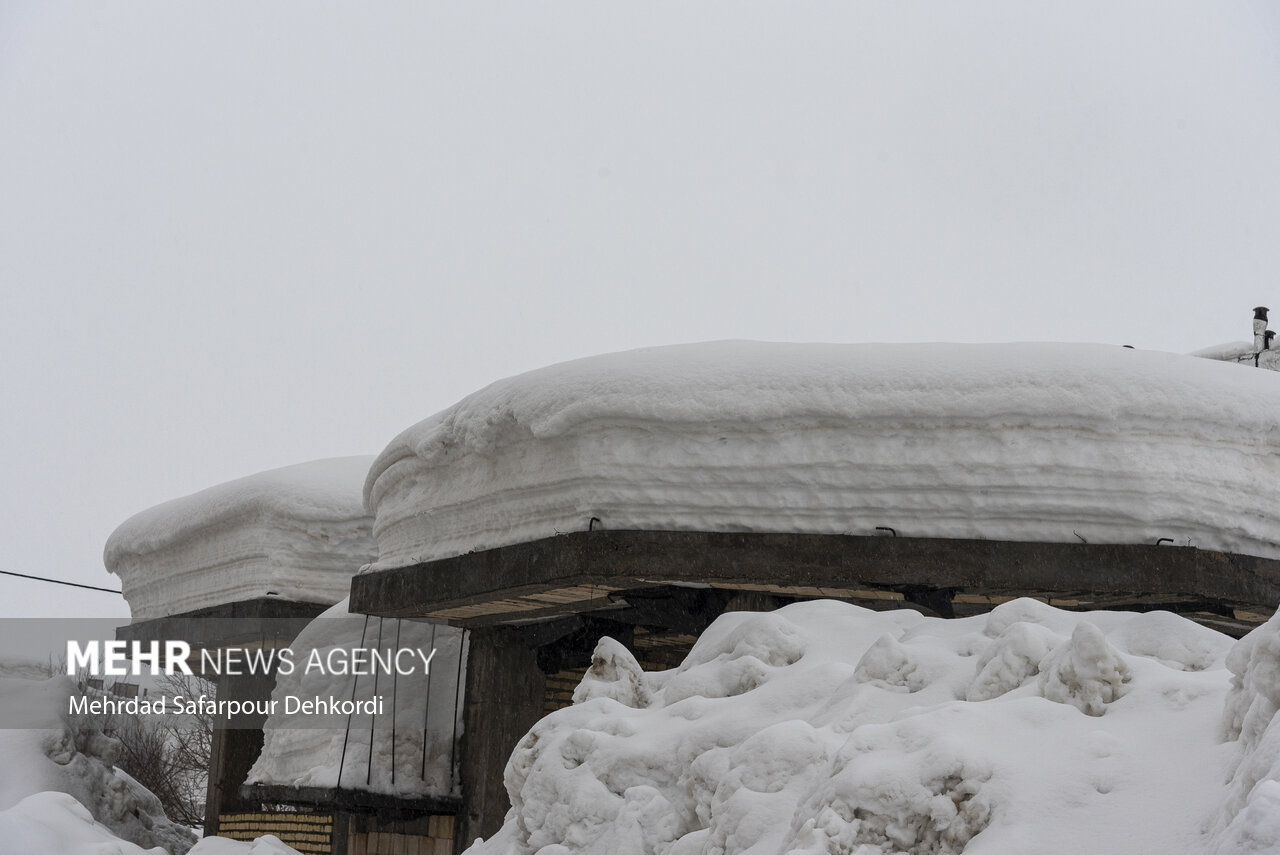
(1038, 442)
(1230, 351)
(297, 533)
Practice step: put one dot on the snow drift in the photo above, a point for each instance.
(393, 753)
(60, 791)
(827, 728)
(1039, 442)
(1250, 818)
(298, 533)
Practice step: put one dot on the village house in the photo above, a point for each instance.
(640, 495)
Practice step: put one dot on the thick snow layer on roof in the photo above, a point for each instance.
(1040, 442)
(297, 533)
(376, 753)
(823, 727)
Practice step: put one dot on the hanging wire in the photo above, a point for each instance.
(355, 678)
(61, 582)
(426, 709)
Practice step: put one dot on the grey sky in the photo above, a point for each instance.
(235, 236)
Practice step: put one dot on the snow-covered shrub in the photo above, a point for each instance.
(1086, 672)
(614, 673)
(1012, 659)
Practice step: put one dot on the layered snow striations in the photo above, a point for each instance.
(297, 533)
(1037, 442)
(827, 728)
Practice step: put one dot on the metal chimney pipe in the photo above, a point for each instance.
(1259, 329)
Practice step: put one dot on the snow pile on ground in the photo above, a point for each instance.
(1039, 442)
(297, 533)
(53, 822)
(378, 753)
(1250, 818)
(59, 790)
(267, 844)
(56, 823)
(827, 728)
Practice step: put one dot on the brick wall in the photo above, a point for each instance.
(309, 833)
(437, 839)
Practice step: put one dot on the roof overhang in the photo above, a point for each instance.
(593, 571)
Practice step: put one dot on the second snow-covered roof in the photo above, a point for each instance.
(1040, 442)
(297, 533)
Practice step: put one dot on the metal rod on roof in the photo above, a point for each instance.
(426, 708)
(394, 682)
(373, 716)
(457, 688)
(346, 737)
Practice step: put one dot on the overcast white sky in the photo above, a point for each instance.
(235, 236)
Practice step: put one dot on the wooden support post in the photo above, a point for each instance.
(234, 751)
(504, 694)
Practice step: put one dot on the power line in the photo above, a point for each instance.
(60, 582)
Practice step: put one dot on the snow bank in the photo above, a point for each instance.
(1040, 442)
(827, 728)
(1250, 817)
(298, 533)
(56, 823)
(304, 750)
(59, 789)
(60, 792)
(267, 844)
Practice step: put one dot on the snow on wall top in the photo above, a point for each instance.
(1047, 442)
(298, 533)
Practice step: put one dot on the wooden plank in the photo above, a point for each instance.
(471, 584)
